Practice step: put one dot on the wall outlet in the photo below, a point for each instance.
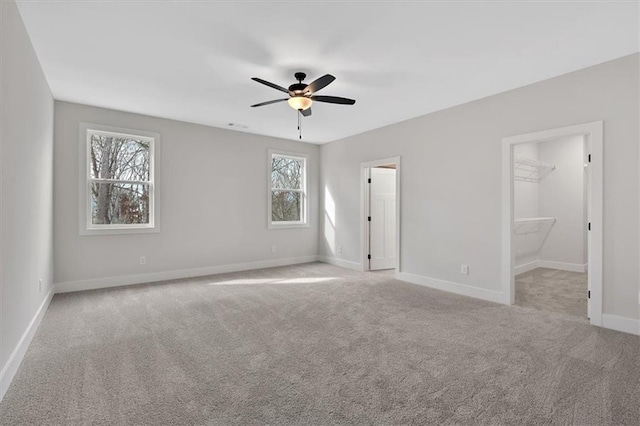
(273, 248)
(40, 285)
(143, 260)
(340, 249)
(464, 269)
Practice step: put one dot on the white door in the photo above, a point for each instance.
(382, 227)
(587, 191)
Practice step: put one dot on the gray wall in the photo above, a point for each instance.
(451, 178)
(26, 191)
(213, 201)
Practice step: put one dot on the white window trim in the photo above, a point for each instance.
(304, 223)
(85, 225)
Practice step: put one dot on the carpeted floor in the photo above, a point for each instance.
(553, 290)
(315, 344)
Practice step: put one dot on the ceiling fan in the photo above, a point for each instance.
(301, 95)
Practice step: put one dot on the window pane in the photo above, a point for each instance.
(114, 157)
(116, 203)
(286, 206)
(286, 173)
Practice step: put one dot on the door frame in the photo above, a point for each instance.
(593, 132)
(365, 207)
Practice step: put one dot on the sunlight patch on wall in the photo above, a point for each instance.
(329, 220)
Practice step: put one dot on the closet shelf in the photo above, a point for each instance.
(530, 170)
(532, 225)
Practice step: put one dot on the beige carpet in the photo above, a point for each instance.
(553, 290)
(316, 345)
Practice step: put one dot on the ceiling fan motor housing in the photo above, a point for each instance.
(297, 88)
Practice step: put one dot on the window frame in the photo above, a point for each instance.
(304, 222)
(85, 214)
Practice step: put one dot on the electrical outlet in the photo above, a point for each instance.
(40, 285)
(464, 269)
(340, 249)
(143, 260)
(273, 248)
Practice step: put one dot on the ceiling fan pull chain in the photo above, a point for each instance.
(300, 124)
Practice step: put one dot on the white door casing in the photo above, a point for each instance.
(593, 133)
(587, 192)
(365, 174)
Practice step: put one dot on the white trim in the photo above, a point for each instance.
(124, 280)
(10, 369)
(626, 325)
(451, 287)
(86, 228)
(550, 264)
(594, 133)
(564, 266)
(526, 267)
(304, 223)
(364, 209)
(347, 264)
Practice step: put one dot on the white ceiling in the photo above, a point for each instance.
(193, 60)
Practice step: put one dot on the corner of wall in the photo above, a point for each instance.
(10, 368)
(27, 238)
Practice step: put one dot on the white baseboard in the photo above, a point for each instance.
(626, 325)
(562, 266)
(347, 264)
(13, 363)
(97, 283)
(457, 288)
(526, 267)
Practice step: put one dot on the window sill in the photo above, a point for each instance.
(288, 225)
(119, 231)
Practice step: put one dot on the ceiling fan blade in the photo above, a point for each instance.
(319, 83)
(270, 102)
(333, 100)
(306, 112)
(267, 83)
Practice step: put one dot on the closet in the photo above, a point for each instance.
(550, 225)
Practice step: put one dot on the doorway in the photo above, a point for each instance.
(550, 225)
(380, 213)
(552, 220)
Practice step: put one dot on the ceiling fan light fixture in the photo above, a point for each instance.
(300, 102)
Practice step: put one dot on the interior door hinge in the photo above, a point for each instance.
(589, 294)
(369, 218)
(369, 256)
(369, 180)
(589, 226)
(589, 157)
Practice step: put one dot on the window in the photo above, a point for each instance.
(287, 190)
(119, 192)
